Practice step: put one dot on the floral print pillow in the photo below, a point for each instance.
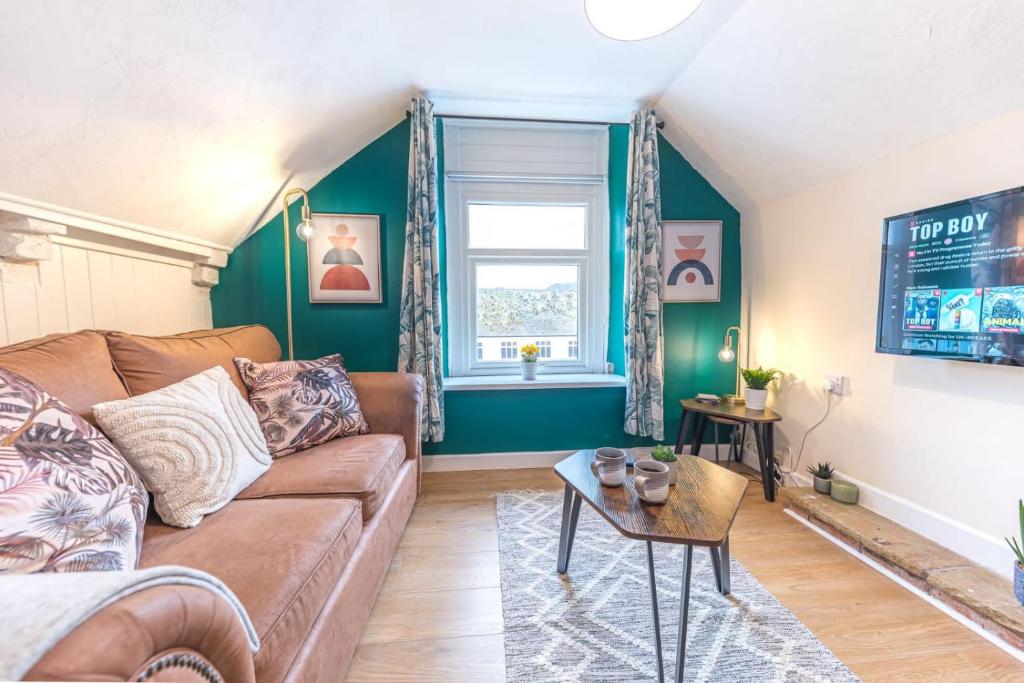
(68, 500)
(302, 403)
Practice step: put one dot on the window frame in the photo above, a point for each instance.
(500, 187)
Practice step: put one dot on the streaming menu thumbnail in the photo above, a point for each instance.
(1003, 309)
(960, 310)
(921, 310)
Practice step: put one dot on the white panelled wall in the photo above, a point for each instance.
(81, 288)
(63, 271)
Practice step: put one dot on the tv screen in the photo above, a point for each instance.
(953, 281)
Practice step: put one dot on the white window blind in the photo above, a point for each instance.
(527, 245)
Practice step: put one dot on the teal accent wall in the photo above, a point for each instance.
(251, 290)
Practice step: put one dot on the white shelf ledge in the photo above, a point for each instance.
(515, 382)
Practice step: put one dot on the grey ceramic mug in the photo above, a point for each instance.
(609, 466)
(651, 480)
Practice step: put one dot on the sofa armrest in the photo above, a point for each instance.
(391, 403)
(164, 633)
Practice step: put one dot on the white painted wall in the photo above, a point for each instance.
(937, 443)
(95, 286)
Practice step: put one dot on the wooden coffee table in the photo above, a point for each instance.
(699, 511)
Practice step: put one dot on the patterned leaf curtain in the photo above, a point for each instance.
(645, 370)
(419, 340)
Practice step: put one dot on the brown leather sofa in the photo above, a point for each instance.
(305, 547)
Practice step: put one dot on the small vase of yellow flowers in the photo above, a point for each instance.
(529, 353)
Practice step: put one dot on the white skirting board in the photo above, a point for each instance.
(988, 551)
(523, 460)
(985, 550)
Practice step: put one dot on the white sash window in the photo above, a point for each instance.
(526, 245)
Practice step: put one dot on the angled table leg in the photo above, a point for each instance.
(767, 465)
(684, 612)
(723, 552)
(716, 564)
(739, 435)
(698, 434)
(570, 515)
(654, 608)
(684, 424)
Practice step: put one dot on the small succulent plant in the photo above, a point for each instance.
(663, 453)
(823, 470)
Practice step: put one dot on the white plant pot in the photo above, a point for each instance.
(529, 370)
(756, 398)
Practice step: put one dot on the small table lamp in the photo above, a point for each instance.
(727, 354)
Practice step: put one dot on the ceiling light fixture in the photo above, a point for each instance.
(638, 19)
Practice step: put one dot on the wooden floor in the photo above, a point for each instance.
(438, 617)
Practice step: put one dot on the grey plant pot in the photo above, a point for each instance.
(1018, 582)
(823, 486)
(844, 492)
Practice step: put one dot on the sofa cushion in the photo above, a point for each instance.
(76, 368)
(359, 467)
(302, 403)
(68, 500)
(196, 444)
(149, 363)
(281, 557)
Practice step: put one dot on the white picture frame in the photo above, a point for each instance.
(343, 259)
(691, 253)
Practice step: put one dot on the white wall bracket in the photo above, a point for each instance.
(28, 226)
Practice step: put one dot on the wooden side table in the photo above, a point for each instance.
(762, 422)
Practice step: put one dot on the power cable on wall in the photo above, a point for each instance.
(780, 465)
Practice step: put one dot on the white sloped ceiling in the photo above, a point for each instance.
(190, 115)
(793, 92)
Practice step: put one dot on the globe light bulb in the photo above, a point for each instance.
(726, 354)
(305, 230)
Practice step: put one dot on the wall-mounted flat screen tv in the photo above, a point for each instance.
(953, 281)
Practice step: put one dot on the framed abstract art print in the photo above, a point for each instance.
(691, 253)
(344, 259)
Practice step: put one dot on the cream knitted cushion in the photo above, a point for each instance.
(195, 444)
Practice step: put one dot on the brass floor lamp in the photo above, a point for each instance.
(304, 231)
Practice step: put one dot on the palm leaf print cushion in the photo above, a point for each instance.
(68, 500)
(302, 403)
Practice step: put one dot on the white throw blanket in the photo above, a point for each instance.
(39, 610)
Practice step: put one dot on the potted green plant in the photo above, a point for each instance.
(1018, 566)
(822, 477)
(758, 379)
(665, 454)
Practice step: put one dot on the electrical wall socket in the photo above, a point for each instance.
(835, 384)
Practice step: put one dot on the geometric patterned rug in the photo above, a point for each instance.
(595, 624)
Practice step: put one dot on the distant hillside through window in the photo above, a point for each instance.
(505, 312)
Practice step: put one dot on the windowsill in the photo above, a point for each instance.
(515, 382)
